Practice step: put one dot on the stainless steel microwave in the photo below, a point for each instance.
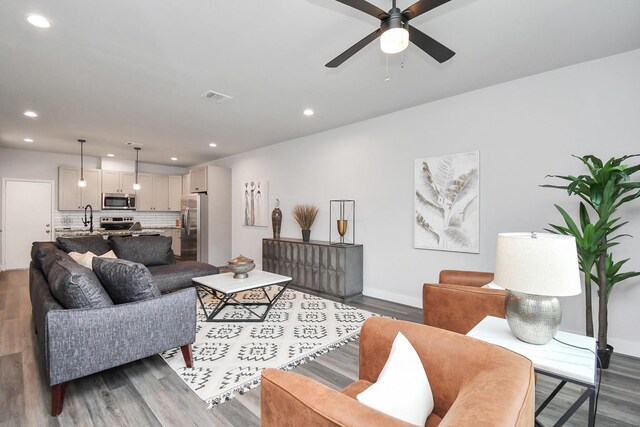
(118, 201)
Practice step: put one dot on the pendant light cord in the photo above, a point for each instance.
(82, 141)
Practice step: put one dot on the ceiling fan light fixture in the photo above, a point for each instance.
(394, 40)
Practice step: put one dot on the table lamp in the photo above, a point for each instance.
(535, 268)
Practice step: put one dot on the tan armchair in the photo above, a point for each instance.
(458, 302)
(474, 383)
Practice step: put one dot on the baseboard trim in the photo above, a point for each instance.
(393, 297)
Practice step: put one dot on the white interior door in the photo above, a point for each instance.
(28, 207)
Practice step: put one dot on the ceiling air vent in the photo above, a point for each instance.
(220, 98)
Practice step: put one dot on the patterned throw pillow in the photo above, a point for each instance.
(125, 281)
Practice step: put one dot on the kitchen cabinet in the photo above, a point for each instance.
(117, 182)
(186, 184)
(198, 180)
(144, 196)
(175, 192)
(154, 193)
(71, 196)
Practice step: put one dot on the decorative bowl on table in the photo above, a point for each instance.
(241, 266)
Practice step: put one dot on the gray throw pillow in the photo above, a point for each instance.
(96, 244)
(125, 281)
(39, 250)
(75, 286)
(147, 250)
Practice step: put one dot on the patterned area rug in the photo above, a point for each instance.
(229, 357)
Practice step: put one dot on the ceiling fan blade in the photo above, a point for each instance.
(367, 8)
(353, 50)
(436, 50)
(420, 7)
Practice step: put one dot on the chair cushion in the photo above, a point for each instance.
(147, 250)
(402, 390)
(95, 244)
(125, 281)
(75, 286)
(176, 276)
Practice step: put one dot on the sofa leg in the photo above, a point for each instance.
(57, 398)
(186, 353)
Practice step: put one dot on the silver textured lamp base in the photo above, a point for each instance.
(533, 318)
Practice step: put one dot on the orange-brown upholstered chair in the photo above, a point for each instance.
(473, 383)
(458, 302)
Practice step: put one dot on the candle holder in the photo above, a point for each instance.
(342, 227)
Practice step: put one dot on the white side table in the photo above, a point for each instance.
(557, 360)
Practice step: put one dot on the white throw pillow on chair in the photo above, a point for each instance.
(402, 389)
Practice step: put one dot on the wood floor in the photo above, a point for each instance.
(149, 393)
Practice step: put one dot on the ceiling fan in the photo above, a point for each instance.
(395, 31)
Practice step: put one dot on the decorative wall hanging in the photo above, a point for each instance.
(447, 203)
(342, 227)
(254, 203)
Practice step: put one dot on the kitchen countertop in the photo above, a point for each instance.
(72, 232)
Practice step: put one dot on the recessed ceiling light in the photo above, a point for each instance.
(38, 21)
(308, 112)
(31, 114)
(174, 158)
(213, 144)
(28, 140)
(111, 155)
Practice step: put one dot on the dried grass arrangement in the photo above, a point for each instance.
(305, 215)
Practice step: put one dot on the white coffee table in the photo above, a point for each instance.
(224, 288)
(557, 360)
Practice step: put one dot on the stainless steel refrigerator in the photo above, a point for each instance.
(194, 233)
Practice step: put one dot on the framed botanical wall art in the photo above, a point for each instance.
(446, 203)
(255, 199)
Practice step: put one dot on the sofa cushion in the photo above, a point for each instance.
(176, 276)
(39, 250)
(125, 281)
(95, 244)
(147, 250)
(75, 286)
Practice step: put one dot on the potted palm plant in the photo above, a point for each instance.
(305, 215)
(607, 187)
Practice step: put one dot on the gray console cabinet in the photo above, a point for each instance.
(317, 266)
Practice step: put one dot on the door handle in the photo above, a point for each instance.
(48, 231)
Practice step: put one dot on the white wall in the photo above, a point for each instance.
(524, 130)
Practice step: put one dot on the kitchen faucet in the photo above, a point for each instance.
(90, 222)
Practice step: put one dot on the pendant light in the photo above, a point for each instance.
(136, 185)
(82, 182)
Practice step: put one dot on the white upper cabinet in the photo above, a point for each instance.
(117, 182)
(71, 196)
(175, 192)
(198, 180)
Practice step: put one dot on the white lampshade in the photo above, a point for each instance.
(394, 40)
(538, 264)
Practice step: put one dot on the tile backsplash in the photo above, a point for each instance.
(73, 219)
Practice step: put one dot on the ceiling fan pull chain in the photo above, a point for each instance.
(402, 60)
(386, 79)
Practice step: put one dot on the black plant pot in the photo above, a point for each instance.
(604, 356)
(306, 234)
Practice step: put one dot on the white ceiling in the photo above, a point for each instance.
(117, 71)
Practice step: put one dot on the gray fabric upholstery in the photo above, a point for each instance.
(96, 244)
(76, 286)
(147, 250)
(125, 281)
(169, 278)
(39, 250)
(81, 342)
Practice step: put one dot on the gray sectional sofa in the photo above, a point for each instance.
(82, 331)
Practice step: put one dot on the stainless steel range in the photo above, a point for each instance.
(116, 222)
